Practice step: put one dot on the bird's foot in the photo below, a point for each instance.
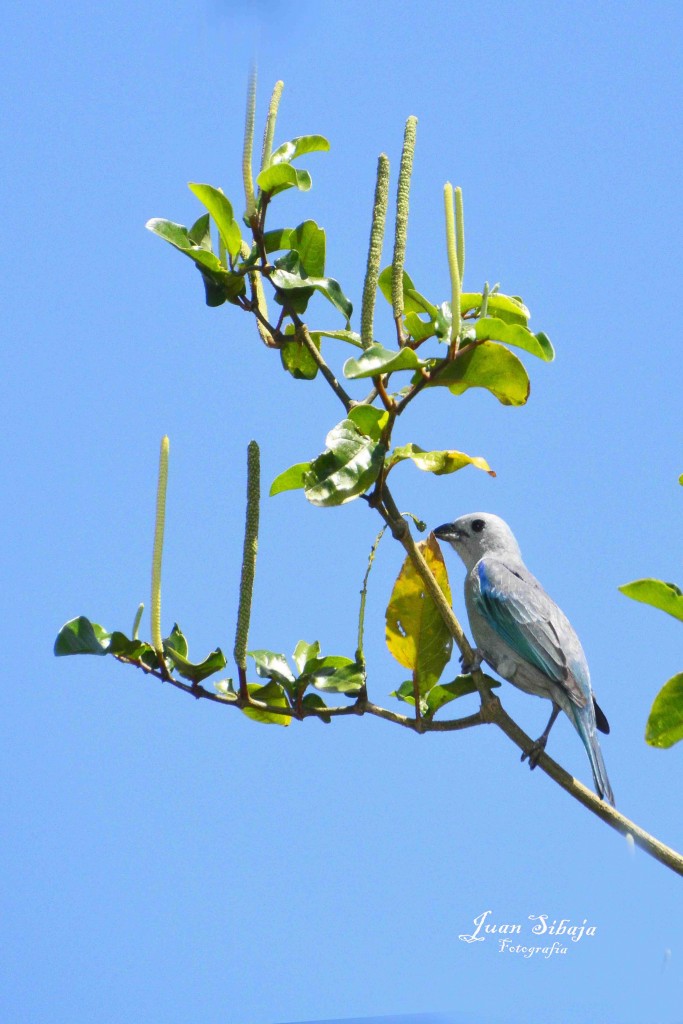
(534, 753)
(473, 663)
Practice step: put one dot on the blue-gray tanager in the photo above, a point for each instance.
(522, 633)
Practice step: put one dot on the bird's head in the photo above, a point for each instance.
(479, 534)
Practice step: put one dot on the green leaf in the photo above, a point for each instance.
(665, 724)
(305, 652)
(272, 693)
(665, 596)
(220, 284)
(413, 301)
(369, 420)
(196, 671)
(334, 674)
(406, 693)
(308, 239)
(179, 237)
(495, 329)
(444, 693)
(416, 634)
(419, 329)
(488, 366)
(300, 146)
(278, 177)
(440, 694)
(220, 208)
(200, 232)
(376, 360)
(226, 689)
(135, 651)
(289, 275)
(298, 361)
(439, 462)
(506, 307)
(314, 700)
(350, 336)
(291, 480)
(81, 636)
(176, 642)
(347, 468)
(272, 666)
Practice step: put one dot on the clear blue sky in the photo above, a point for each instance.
(168, 861)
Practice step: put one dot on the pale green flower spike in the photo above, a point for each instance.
(402, 197)
(379, 216)
(453, 265)
(249, 554)
(158, 549)
(460, 232)
(249, 145)
(269, 132)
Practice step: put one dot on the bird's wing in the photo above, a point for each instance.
(519, 610)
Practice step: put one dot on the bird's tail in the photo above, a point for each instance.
(585, 726)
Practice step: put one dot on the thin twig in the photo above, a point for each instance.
(303, 332)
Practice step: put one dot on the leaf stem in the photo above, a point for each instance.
(303, 332)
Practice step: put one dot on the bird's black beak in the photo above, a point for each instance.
(448, 532)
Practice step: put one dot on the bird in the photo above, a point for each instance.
(523, 635)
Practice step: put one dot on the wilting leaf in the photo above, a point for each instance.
(439, 462)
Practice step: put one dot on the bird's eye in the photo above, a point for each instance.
(478, 525)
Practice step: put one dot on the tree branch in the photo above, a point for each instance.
(303, 332)
(493, 711)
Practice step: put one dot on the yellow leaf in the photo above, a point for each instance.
(415, 632)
